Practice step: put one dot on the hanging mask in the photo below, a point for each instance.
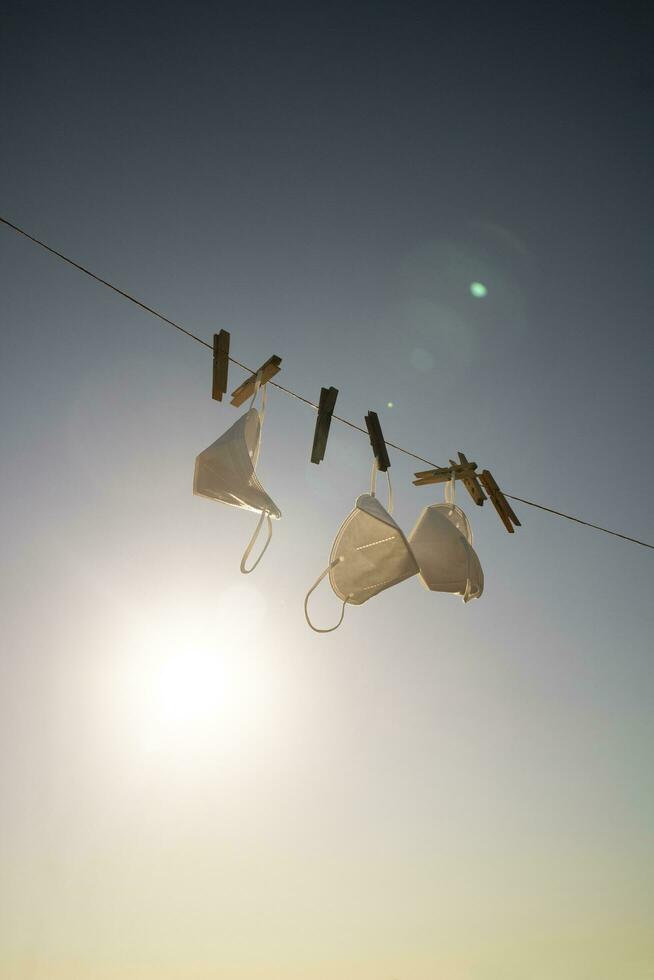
(226, 472)
(370, 554)
(442, 544)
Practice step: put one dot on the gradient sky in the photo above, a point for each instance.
(195, 786)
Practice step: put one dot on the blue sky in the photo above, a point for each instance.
(435, 789)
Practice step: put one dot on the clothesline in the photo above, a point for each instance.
(289, 391)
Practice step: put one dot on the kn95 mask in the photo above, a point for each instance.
(226, 472)
(370, 554)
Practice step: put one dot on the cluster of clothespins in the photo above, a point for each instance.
(465, 471)
(371, 552)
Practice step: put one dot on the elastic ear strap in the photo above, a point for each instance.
(246, 554)
(467, 595)
(262, 415)
(264, 399)
(389, 502)
(450, 490)
(373, 485)
(373, 478)
(315, 585)
(257, 385)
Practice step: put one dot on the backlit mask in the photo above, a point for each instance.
(226, 472)
(442, 544)
(370, 554)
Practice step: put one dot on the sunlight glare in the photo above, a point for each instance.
(197, 675)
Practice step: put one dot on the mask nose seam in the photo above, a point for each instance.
(362, 547)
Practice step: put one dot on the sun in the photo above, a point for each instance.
(196, 675)
(188, 687)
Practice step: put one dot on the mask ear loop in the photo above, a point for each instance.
(450, 496)
(262, 414)
(257, 385)
(450, 491)
(389, 501)
(255, 460)
(317, 629)
(246, 553)
(373, 486)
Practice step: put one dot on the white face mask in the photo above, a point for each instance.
(442, 544)
(370, 553)
(226, 472)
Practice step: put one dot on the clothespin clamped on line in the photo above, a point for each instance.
(377, 441)
(499, 502)
(220, 364)
(326, 406)
(463, 470)
(266, 372)
(469, 478)
(466, 472)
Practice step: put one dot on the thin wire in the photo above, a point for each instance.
(289, 391)
(104, 282)
(578, 520)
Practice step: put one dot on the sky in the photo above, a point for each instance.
(195, 785)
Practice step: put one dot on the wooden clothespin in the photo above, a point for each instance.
(377, 441)
(326, 405)
(220, 364)
(442, 474)
(246, 389)
(465, 471)
(499, 502)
